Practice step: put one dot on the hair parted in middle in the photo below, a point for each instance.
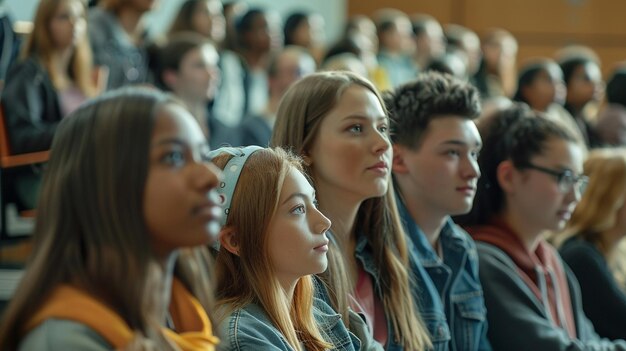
(299, 117)
(413, 105)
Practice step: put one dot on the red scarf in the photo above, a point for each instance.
(544, 260)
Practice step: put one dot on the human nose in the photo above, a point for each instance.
(470, 168)
(207, 176)
(322, 223)
(380, 142)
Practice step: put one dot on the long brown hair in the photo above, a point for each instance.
(40, 45)
(90, 229)
(299, 117)
(248, 277)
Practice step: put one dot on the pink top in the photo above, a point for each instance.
(366, 302)
(70, 99)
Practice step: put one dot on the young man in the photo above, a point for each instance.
(435, 170)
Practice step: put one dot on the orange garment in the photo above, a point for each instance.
(67, 302)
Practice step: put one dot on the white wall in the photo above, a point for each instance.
(333, 11)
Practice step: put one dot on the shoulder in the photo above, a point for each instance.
(25, 69)
(60, 334)
(248, 328)
(493, 258)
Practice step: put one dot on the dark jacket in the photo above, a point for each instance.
(603, 300)
(31, 107)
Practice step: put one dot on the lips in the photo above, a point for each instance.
(323, 246)
(380, 167)
(208, 210)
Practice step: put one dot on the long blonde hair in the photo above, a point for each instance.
(248, 277)
(39, 44)
(597, 211)
(299, 117)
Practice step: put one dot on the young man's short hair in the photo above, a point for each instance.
(432, 95)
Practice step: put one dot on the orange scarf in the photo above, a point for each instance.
(193, 326)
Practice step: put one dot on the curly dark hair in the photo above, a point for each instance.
(431, 95)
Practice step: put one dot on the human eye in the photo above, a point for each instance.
(566, 179)
(452, 152)
(356, 129)
(384, 128)
(299, 209)
(475, 154)
(175, 158)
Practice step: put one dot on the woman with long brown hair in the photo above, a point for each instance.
(337, 122)
(127, 187)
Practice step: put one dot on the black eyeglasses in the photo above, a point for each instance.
(565, 179)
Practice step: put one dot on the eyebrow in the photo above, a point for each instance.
(177, 141)
(460, 143)
(300, 195)
(363, 118)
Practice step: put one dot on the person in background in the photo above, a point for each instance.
(204, 17)
(583, 80)
(305, 30)
(243, 89)
(119, 40)
(497, 73)
(540, 85)
(430, 42)
(610, 125)
(285, 68)
(51, 79)
(395, 46)
(9, 43)
(186, 65)
(465, 40)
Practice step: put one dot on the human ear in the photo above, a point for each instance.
(229, 240)
(398, 164)
(505, 174)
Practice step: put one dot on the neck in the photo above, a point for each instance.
(60, 63)
(429, 221)
(525, 231)
(255, 60)
(273, 103)
(130, 19)
(289, 286)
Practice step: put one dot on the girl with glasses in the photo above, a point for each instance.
(592, 244)
(531, 182)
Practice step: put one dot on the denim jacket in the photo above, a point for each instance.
(363, 253)
(449, 291)
(249, 328)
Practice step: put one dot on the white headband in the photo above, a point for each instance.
(231, 172)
